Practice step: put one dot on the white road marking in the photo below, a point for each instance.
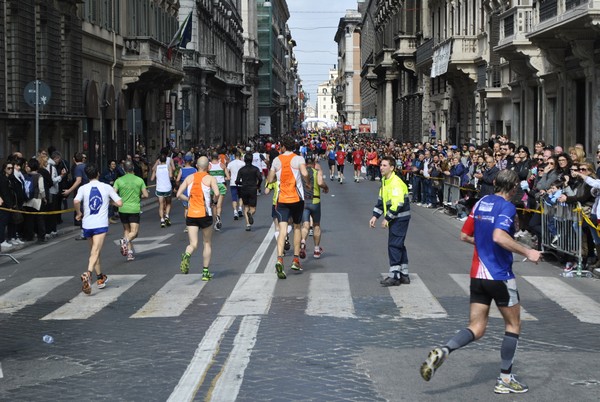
(142, 244)
(2, 280)
(415, 301)
(173, 298)
(569, 298)
(29, 292)
(252, 295)
(270, 266)
(1, 373)
(464, 281)
(329, 295)
(232, 375)
(84, 306)
(260, 252)
(193, 377)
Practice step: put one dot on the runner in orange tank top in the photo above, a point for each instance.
(288, 170)
(199, 214)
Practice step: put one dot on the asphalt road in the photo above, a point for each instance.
(330, 333)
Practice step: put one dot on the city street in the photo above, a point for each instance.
(330, 333)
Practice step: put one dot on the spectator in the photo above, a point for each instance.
(34, 223)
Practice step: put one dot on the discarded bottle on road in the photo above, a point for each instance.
(48, 339)
(567, 274)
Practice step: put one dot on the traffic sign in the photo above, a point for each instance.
(30, 93)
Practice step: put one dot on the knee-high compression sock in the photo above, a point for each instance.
(462, 338)
(507, 353)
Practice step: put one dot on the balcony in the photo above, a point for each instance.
(193, 60)
(145, 61)
(573, 18)
(424, 53)
(464, 50)
(515, 24)
(406, 46)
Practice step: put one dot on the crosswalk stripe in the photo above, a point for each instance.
(260, 252)
(415, 301)
(231, 377)
(173, 298)
(203, 358)
(329, 295)
(84, 306)
(28, 293)
(464, 281)
(575, 302)
(252, 295)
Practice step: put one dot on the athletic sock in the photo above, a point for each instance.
(507, 354)
(462, 338)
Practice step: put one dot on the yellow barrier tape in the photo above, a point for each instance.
(37, 213)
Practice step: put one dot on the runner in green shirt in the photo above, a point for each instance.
(131, 189)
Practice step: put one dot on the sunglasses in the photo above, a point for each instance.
(583, 169)
(9, 167)
(540, 159)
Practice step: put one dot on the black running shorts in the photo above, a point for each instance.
(129, 218)
(202, 223)
(293, 211)
(504, 293)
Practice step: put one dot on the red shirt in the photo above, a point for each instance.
(357, 157)
(340, 157)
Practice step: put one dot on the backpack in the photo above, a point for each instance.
(31, 186)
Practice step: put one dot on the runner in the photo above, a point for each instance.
(234, 167)
(288, 169)
(312, 208)
(331, 162)
(163, 174)
(490, 227)
(219, 171)
(199, 215)
(340, 159)
(183, 173)
(95, 197)
(357, 160)
(131, 189)
(247, 179)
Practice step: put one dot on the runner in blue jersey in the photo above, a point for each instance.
(490, 227)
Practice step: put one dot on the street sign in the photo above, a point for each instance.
(30, 93)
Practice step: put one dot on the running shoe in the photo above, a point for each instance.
(86, 285)
(218, 224)
(435, 359)
(240, 213)
(123, 247)
(162, 224)
(514, 386)
(102, 279)
(235, 216)
(296, 264)
(390, 282)
(317, 253)
(287, 244)
(303, 250)
(167, 221)
(311, 231)
(250, 218)
(405, 279)
(185, 263)
(130, 256)
(206, 276)
(248, 228)
(279, 268)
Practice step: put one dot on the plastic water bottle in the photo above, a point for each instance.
(567, 274)
(48, 339)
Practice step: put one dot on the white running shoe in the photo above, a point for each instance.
(6, 244)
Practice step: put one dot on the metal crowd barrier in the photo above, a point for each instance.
(562, 230)
(451, 190)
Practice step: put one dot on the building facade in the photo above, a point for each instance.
(347, 87)
(327, 109)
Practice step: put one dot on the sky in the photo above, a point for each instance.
(313, 24)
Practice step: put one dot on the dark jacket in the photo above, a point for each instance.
(487, 181)
(248, 178)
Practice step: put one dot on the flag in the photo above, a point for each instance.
(182, 37)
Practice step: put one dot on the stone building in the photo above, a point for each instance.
(327, 110)
(347, 86)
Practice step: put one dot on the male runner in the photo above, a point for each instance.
(199, 187)
(219, 171)
(234, 167)
(95, 197)
(490, 227)
(247, 179)
(131, 189)
(288, 169)
(312, 208)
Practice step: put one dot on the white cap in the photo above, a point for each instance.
(247, 149)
